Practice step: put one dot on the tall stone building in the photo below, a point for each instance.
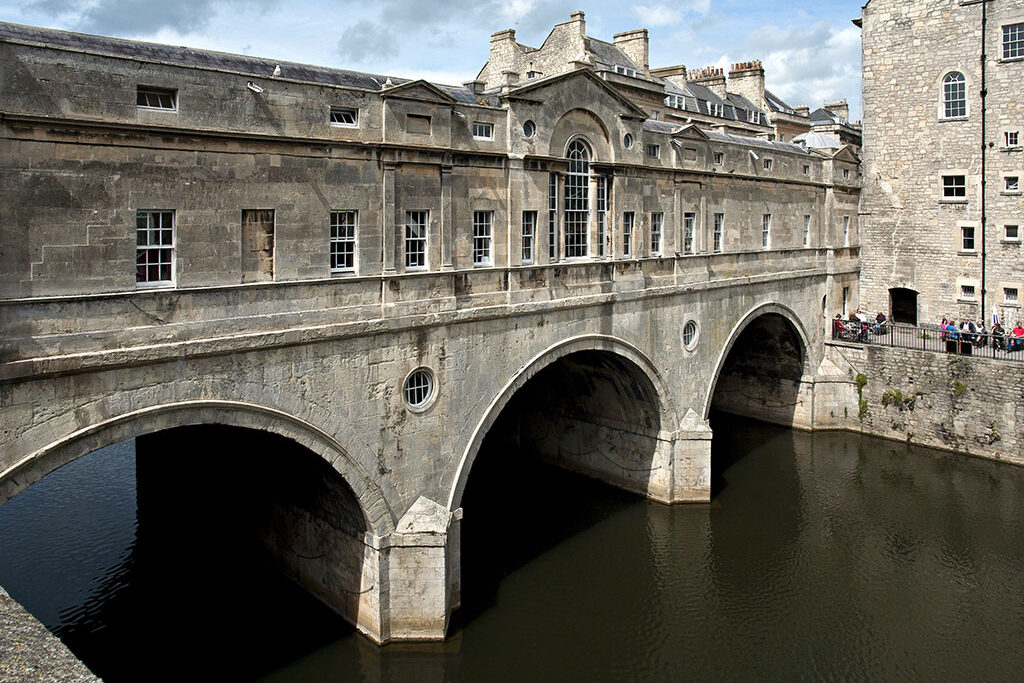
(943, 158)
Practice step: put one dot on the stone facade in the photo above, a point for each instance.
(957, 250)
(194, 238)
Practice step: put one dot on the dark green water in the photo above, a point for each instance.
(821, 557)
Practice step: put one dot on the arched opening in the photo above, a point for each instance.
(903, 305)
(590, 412)
(229, 549)
(577, 199)
(761, 374)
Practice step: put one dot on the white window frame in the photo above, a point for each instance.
(807, 230)
(343, 117)
(1014, 300)
(657, 222)
(344, 229)
(719, 158)
(967, 291)
(576, 192)
(689, 228)
(483, 130)
(417, 232)
(807, 169)
(1011, 139)
(159, 255)
(953, 96)
(654, 151)
(1012, 41)
(968, 238)
(628, 223)
(766, 231)
(483, 238)
(718, 233)
(846, 231)
(953, 192)
(601, 213)
(152, 93)
(1011, 184)
(768, 163)
(529, 236)
(1007, 227)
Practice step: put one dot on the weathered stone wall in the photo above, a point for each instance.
(964, 404)
(913, 237)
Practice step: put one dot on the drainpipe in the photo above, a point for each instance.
(984, 151)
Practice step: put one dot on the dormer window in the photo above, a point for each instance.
(149, 97)
(754, 117)
(625, 70)
(716, 109)
(675, 101)
(344, 116)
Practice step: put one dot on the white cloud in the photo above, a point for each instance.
(656, 15)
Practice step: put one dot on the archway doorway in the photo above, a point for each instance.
(184, 550)
(903, 305)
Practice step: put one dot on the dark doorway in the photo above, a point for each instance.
(903, 305)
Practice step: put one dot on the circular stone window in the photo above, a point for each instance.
(529, 129)
(627, 141)
(690, 335)
(419, 389)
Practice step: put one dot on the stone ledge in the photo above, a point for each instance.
(28, 652)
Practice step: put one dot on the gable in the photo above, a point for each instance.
(421, 91)
(544, 89)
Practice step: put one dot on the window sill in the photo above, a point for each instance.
(965, 252)
(155, 285)
(953, 119)
(1008, 60)
(1010, 304)
(343, 125)
(953, 201)
(973, 302)
(1010, 193)
(343, 273)
(1009, 241)
(1009, 150)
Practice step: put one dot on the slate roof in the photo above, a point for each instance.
(208, 59)
(719, 136)
(607, 54)
(818, 140)
(661, 126)
(776, 103)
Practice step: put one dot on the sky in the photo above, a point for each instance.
(810, 50)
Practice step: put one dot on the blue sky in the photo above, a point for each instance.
(811, 51)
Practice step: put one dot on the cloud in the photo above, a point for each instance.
(144, 17)
(366, 41)
(810, 64)
(656, 15)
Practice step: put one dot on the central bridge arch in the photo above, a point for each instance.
(619, 369)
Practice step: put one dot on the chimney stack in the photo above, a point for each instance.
(636, 45)
(711, 77)
(747, 79)
(839, 108)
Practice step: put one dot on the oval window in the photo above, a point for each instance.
(690, 334)
(529, 129)
(419, 389)
(627, 141)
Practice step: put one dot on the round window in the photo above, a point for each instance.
(690, 334)
(419, 389)
(529, 129)
(627, 141)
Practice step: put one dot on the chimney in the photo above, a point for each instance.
(578, 18)
(747, 79)
(676, 74)
(475, 87)
(636, 46)
(839, 108)
(710, 77)
(802, 110)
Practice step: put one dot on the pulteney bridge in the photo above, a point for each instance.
(612, 367)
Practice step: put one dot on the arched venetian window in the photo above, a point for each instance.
(577, 200)
(954, 95)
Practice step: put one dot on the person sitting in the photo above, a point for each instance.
(942, 327)
(967, 330)
(981, 339)
(1017, 337)
(951, 335)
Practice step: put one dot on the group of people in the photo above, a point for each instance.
(969, 332)
(862, 323)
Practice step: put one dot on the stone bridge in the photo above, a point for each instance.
(609, 369)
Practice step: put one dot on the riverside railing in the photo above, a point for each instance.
(930, 338)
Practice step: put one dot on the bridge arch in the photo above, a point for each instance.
(629, 359)
(70, 447)
(757, 314)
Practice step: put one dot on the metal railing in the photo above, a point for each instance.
(930, 338)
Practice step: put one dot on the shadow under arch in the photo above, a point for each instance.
(137, 423)
(585, 125)
(760, 313)
(618, 348)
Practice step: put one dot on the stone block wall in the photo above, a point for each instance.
(964, 404)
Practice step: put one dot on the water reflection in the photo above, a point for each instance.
(824, 556)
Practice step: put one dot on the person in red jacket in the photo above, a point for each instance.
(1016, 337)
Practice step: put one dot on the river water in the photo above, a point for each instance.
(821, 557)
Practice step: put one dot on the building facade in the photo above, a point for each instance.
(135, 166)
(943, 159)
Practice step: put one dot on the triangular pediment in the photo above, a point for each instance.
(421, 91)
(846, 153)
(535, 91)
(691, 132)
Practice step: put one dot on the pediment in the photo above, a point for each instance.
(846, 153)
(539, 90)
(691, 132)
(419, 90)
